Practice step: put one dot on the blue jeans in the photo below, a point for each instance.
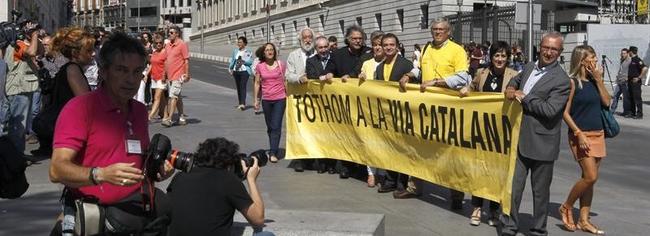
(16, 118)
(34, 109)
(273, 114)
(621, 89)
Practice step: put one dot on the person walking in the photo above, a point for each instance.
(542, 89)
(177, 69)
(158, 77)
(586, 136)
(269, 81)
(494, 78)
(241, 60)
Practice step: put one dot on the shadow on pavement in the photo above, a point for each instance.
(17, 216)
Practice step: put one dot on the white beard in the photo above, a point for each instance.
(307, 48)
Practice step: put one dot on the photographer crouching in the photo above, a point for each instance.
(99, 144)
(204, 200)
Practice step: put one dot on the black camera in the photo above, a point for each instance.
(160, 149)
(262, 158)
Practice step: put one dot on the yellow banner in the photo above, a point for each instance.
(468, 144)
(642, 7)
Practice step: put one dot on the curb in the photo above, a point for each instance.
(210, 57)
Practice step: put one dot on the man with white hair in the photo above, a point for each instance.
(298, 58)
(296, 68)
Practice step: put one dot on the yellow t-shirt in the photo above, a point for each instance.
(439, 63)
(369, 67)
(388, 68)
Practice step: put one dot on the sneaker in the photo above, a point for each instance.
(182, 121)
(167, 123)
(475, 218)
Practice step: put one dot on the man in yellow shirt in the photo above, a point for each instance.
(444, 62)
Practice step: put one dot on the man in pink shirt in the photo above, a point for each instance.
(100, 137)
(178, 71)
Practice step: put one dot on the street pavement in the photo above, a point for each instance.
(620, 206)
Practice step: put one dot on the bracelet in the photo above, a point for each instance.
(92, 176)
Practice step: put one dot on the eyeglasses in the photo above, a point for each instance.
(172, 32)
(158, 42)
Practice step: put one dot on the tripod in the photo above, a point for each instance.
(605, 60)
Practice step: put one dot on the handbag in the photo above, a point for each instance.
(610, 125)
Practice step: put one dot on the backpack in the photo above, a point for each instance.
(13, 182)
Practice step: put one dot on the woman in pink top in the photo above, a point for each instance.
(269, 79)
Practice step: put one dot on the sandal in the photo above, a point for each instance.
(567, 218)
(273, 159)
(588, 227)
(371, 181)
(475, 219)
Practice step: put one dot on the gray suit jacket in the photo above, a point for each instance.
(539, 136)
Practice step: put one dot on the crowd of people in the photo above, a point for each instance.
(546, 92)
(85, 94)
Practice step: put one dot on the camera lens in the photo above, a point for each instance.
(262, 158)
(181, 160)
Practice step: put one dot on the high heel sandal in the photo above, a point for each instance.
(588, 227)
(567, 218)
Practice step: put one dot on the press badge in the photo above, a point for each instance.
(133, 146)
(132, 143)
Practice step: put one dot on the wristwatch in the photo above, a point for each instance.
(93, 175)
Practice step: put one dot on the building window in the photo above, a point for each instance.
(424, 18)
(263, 33)
(359, 21)
(189, 3)
(295, 29)
(400, 19)
(322, 21)
(342, 26)
(307, 22)
(180, 3)
(378, 19)
(253, 36)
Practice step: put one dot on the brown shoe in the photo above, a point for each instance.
(567, 218)
(403, 194)
(31, 139)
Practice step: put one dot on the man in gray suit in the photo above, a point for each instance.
(542, 89)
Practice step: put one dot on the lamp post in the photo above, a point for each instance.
(138, 20)
(201, 20)
(459, 26)
(268, 21)
(530, 30)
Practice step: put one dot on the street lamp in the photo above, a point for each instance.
(268, 21)
(459, 27)
(201, 20)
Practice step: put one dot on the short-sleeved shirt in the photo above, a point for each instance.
(158, 65)
(205, 201)
(388, 68)
(97, 130)
(635, 68)
(440, 63)
(272, 81)
(369, 67)
(177, 53)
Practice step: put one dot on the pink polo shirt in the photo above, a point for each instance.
(94, 127)
(272, 81)
(177, 52)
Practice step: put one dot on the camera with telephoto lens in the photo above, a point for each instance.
(160, 149)
(262, 159)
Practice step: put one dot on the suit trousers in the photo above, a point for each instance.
(241, 80)
(636, 107)
(540, 178)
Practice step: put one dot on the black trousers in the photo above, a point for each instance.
(637, 102)
(241, 80)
